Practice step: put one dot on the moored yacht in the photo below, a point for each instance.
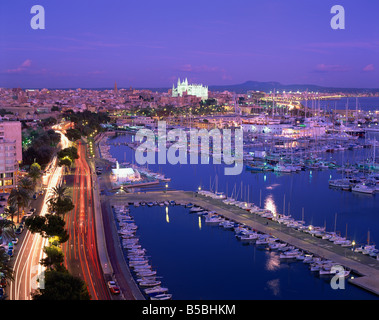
(362, 188)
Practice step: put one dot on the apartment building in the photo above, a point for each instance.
(10, 154)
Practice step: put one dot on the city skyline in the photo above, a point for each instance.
(151, 45)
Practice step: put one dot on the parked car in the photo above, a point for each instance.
(3, 282)
(27, 215)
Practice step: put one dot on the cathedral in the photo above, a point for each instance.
(197, 90)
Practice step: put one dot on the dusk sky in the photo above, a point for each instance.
(93, 43)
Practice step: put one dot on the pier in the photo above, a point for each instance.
(364, 266)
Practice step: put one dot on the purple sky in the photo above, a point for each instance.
(93, 43)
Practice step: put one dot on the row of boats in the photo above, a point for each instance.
(299, 225)
(286, 251)
(137, 258)
(367, 185)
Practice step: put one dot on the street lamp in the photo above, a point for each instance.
(166, 187)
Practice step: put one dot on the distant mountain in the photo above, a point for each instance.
(271, 86)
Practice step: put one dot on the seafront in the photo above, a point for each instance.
(366, 268)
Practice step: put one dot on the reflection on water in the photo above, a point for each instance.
(273, 186)
(167, 217)
(199, 223)
(274, 286)
(273, 261)
(270, 204)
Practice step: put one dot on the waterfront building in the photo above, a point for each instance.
(124, 175)
(310, 128)
(10, 154)
(183, 88)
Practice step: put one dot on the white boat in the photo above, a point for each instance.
(227, 224)
(156, 289)
(308, 258)
(261, 242)
(146, 273)
(283, 169)
(214, 220)
(251, 237)
(362, 188)
(150, 283)
(164, 296)
(276, 246)
(289, 254)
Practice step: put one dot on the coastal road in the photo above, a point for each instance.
(29, 252)
(80, 251)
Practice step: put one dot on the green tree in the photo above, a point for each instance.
(59, 202)
(35, 174)
(54, 258)
(19, 197)
(61, 206)
(73, 134)
(71, 153)
(36, 224)
(61, 285)
(10, 211)
(48, 226)
(6, 230)
(27, 184)
(5, 268)
(65, 163)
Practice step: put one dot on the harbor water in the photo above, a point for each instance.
(197, 261)
(215, 265)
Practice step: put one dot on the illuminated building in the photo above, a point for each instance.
(10, 154)
(183, 88)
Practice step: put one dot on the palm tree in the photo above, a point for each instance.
(19, 197)
(6, 230)
(35, 173)
(4, 265)
(59, 192)
(10, 211)
(27, 184)
(59, 202)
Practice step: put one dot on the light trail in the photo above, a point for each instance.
(31, 249)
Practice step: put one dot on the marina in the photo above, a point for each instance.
(274, 200)
(289, 244)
